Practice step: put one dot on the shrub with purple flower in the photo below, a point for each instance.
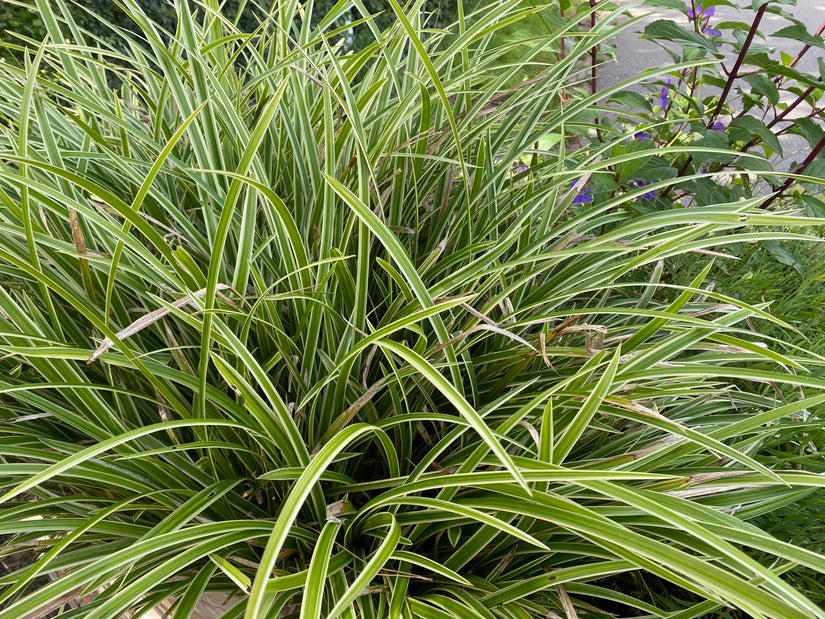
(663, 96)
(585, 196)
(517, 169)
(700, 13)
(649, 195)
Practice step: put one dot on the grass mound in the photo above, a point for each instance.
(327, 332)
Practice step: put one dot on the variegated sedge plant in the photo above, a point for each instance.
(289, 323)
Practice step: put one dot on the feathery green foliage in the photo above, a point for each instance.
(350, 361)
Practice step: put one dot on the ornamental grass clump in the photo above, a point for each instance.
(333, 333)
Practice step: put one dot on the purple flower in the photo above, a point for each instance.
(641, 136)
(700, 13)
(648, 196)
(519, 170)
(585, 196)
(712, 32)
(718, 126)
(663, 96)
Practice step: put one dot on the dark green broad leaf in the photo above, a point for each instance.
(775, 9)
(742, 129)
(667, 30)
(783, 255)
(738, 191)
(798, 32)
(810, 130)
(678, 5)
(617, 150)
(631, 100)
(603, 184)
(755, 48)
(654, 169)
(708, 192)
(697, 105)
(758, 3)
(750, 100)
(712, 139)
(674, 55)
(628, 169)
(757, 164)
(763, 85)
(711, 80)
(815, 170)
(814, 207)
(776, 68)
(732, 25)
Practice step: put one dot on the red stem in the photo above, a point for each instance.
(593, 60)
(738, 65)
(561, 40)
(802, 167)
(807, 47)
(791, 107)
(801, 53)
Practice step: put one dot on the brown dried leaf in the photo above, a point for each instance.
(566, 603)
(147, 320)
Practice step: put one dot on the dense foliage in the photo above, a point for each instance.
(19, 18)
(370, 332)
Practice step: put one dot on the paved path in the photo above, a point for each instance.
(633, 55)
